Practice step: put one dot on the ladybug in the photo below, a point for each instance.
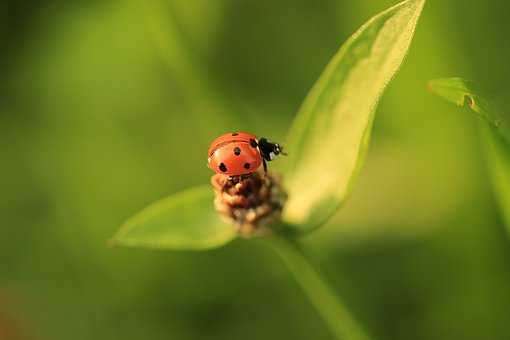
(241, 153)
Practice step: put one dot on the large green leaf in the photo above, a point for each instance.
(495, 133)
(330, 135)
(184, 221)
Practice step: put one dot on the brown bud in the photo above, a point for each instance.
(250, 202)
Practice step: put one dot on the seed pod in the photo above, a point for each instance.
(250, 202)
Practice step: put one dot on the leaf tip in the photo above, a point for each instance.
(434, 85)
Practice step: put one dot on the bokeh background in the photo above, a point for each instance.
(106, 106)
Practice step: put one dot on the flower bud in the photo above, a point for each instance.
(250, 202)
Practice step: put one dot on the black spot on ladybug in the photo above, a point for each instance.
(253, 143)
(235, 134)
(222, 167)
(237, 151)
(246, 165)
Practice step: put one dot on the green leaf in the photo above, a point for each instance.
(330, 135)
(495, 131)
(185, 221)
(498, 156)
(466, 93)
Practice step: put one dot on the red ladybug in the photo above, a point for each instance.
(240, 153)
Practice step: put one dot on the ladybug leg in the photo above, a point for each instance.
(265, 165)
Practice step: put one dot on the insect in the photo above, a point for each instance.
(241, 153)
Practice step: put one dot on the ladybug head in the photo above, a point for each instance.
(269, 150)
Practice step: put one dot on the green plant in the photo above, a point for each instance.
(495, 131)
(327, 144)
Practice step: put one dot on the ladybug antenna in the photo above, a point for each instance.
(279, 150)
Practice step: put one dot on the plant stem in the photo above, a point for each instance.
(329, 306)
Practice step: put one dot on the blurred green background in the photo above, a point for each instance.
(106, 106)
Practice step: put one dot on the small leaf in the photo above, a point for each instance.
(495, 133)
(465, 93)
(330, 135)
(185, 221)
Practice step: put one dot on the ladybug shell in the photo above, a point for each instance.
(234, 154)
(229, 138)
